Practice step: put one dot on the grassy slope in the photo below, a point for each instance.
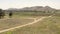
(47, 26)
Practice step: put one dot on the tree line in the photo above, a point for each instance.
(36, 13)
(2, 14)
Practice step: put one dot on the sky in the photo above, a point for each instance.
(5, 4)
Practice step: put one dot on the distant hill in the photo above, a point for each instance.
(34, 8)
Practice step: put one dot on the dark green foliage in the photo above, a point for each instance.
(2, 13)
(10, 14)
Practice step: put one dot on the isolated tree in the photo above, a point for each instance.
(10, 14)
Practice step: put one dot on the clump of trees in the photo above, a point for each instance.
(2, 13)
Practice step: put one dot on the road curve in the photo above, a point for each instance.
(23, 25)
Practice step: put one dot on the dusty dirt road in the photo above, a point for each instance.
(35, 21)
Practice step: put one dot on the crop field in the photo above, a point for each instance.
(49, 25)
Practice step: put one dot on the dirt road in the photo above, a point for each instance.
(35, 21)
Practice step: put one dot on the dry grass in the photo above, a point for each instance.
(47, 26)
(13, 22)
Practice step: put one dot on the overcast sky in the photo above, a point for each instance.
(5, 4)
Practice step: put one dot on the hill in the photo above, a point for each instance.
(34, 8)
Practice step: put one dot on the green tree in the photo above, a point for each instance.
(2, 13)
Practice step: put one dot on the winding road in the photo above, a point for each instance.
(35, 21)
